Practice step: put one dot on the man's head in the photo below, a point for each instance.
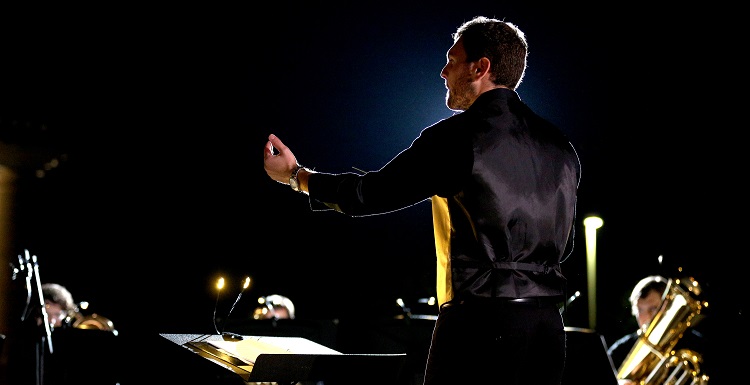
(274, 307)
(500, 41)
(646, 298)
(486, 53)
(58, 303)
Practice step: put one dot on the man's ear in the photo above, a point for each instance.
(482, 67)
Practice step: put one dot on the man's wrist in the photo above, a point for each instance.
(294, 180)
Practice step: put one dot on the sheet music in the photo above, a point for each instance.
(251, 347)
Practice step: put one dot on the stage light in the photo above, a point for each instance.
(591, 224)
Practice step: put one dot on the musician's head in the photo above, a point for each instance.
(274, 307)
(646, 298)
(58, 303)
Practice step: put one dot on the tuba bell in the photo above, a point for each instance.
(653, 360)
(94, 322)
(90, 321)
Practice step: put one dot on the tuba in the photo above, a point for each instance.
(653, 360)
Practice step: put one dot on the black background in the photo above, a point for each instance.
(159, 117)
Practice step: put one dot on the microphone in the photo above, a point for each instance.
(245, 285)
(572, 298)
(26, 265)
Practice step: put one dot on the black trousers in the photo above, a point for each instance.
(496, 341)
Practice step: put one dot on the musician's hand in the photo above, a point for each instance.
(279, 164)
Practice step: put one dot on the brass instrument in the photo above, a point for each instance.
(95, 322)
(91, 321)
(652, 360)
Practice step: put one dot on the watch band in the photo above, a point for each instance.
(293, 181)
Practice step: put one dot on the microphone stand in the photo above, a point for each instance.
(45, 317)
(40, 350)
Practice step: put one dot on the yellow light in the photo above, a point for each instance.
(246, 284)
(591, 224)
(220, 283)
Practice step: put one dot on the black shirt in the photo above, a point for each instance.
(503, 184)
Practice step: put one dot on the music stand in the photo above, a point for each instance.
(587, 360)
(305, 361)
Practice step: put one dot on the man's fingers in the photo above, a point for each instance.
(268, 150)
(277, 143)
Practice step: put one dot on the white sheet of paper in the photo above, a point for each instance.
(251, 347)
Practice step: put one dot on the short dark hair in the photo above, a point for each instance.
(500, 41)
(645, 286)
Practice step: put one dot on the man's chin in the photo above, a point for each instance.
(450, 103)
